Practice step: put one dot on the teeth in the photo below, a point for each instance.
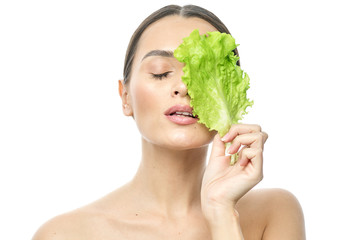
(183, 113)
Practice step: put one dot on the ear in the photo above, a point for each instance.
(121, 87)
(126, 103)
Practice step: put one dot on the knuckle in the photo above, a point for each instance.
(257, 128)
(265, 135)
(259, 136)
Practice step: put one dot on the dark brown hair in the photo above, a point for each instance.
(186, 11)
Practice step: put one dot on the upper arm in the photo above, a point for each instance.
(286, 219)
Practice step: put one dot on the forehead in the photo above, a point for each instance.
(168, 32)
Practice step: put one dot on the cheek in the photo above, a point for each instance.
(146, 105)
(144, 99)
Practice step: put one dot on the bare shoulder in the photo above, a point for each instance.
(276, 211)
(76, 224)
(101, 219)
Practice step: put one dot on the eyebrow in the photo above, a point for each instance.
(161, 53)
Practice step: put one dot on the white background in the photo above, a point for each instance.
(64, 141)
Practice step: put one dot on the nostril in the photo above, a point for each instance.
(176, 92)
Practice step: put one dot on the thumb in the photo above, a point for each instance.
(218, 148)
(218, 161)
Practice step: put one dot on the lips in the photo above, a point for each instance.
(181, 114)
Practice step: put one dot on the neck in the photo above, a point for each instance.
(170, 180)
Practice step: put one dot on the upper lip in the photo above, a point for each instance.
(179, 108)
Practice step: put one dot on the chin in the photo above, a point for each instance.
(178, 138)
(184, 141)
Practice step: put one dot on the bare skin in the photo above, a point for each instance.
(174, 194)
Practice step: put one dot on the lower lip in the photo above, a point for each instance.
(182, 120)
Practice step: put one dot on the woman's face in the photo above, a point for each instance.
(156, 92)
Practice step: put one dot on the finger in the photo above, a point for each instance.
(253, 140)
(253, 155)
(265, 136)
(238, 129)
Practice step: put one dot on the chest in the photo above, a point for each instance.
(157, 229)
(149, 228)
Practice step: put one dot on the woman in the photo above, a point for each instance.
(174, 195)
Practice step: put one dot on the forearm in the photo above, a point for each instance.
(225, 225)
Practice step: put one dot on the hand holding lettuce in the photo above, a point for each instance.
(216, 85)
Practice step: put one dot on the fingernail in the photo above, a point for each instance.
(224, 137)
(228, 151)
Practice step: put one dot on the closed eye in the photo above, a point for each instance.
(160, 76)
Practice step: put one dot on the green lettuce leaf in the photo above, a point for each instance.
(216, 85)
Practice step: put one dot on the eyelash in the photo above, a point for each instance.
(160, 76)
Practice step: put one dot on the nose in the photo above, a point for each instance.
(179, 89)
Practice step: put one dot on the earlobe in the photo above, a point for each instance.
(127, 110)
